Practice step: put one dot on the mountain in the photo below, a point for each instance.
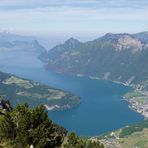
(19, 90)
(117, 57)
(69, 45)
(14, 42)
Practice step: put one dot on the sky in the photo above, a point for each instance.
(73, 16)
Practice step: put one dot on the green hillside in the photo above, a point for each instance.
(135, 135)
(19, 90)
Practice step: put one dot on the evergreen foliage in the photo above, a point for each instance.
(25, 126)
(76, 142)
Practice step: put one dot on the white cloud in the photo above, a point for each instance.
(62, 15)
(28, 4)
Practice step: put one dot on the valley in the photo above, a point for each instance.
(105, 96)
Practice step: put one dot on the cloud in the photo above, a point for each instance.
(62, 15)
(76, 13)
(29, 4)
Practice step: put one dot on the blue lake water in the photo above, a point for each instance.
(102, 108)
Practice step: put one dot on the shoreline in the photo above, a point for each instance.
(97, 78)
(132, 103)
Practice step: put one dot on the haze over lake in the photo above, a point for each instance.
(102, 108)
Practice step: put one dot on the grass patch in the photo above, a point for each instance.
(49, 96)
(137, 139)
(133, 94)
(133, 128)
(20, 82)
(75, 53)
(141, 143)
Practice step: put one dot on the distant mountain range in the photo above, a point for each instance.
(14, 42)
(117, 57)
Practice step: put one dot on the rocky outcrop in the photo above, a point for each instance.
(4, 106)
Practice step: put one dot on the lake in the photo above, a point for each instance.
(102, 107)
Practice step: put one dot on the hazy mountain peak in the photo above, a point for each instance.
(143, 36)
(145, 32)
(72, 41)
(15, 42)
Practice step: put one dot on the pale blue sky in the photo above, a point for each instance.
(73, 16)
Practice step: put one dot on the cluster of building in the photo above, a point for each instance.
(141, 108)
(112, 141)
